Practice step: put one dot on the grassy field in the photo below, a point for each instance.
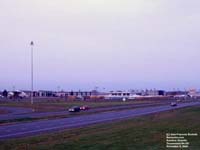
(63, 105)
(147, 132)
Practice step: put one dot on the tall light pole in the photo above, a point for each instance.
(32, 45)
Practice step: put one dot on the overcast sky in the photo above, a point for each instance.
(112, 44)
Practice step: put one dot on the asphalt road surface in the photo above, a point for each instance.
(27, 113)
(34, 128)
(15, 110)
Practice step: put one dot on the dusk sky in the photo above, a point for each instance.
(112, 44)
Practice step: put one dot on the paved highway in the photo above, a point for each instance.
(34, 128)
(27, 113)
(15, 110)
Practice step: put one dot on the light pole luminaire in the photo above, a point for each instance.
(32, 45)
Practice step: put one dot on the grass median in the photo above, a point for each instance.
(59, 105)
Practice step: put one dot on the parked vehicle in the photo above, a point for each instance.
(84, 108)
(173, 104)
(74, 109)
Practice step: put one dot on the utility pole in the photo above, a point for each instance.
(32, 45)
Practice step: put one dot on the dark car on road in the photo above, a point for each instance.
(74, 109)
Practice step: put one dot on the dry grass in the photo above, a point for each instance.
(47, 105)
